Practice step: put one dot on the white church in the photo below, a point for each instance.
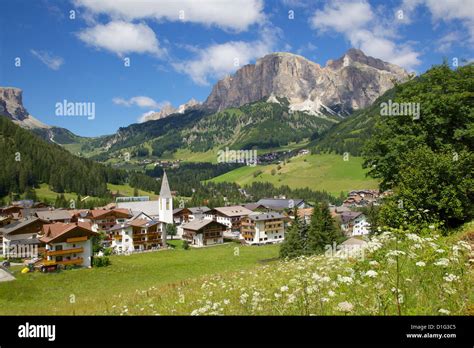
(146, 230)
(161, 210)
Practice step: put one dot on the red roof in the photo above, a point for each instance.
(59, 231)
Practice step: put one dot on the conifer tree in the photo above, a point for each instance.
(293, 245)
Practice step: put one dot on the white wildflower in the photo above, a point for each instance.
(371, 274)
(284, 288)
(420, 264)
(442, 262)
(444, 311)
(450, 277)
(345, 306)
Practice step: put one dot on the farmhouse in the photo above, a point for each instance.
(203, 232)
(230, 216)
(68, 244)
(263, 228)
(354, 224)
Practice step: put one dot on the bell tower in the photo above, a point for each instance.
(165, 201)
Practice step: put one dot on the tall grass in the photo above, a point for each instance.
(399, 273)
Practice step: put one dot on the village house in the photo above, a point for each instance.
(103, 220)
(198, 213)
(361, 198)
(354, 224)
(203, 232)
(68, 244)
(280, 204)
(263, 228)
(255, 207)
(139, 234)
(230, 216)
(21, 234)
(181, 215)
(58, 215)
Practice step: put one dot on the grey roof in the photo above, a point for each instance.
(348, 216)
(265, 216)
(5, 230)
(30, 241)
(199, 210)
(280, 204)
(53, 215)
(151, 208)
(253, 206)
(165, 187)
(197, 224)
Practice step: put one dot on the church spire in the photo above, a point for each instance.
(165, 187)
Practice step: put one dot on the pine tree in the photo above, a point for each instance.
(294, 244)
(322, 230)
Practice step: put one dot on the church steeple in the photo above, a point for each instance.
(166, 201)
(165, 191)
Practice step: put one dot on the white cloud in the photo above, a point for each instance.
(51, 61)
(218, 60)
(229, 15)
(446, 10)
(121, 38)
(140, 101)
(444, 44)
(343, 16)
(364, 29)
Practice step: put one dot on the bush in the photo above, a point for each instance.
(100, 261)
(185, 245)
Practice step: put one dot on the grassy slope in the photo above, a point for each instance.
(313, 286)
(319, 172)
(97, 289)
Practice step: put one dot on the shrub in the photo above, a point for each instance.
(100, 261)
(185, 245)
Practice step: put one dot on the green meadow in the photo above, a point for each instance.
(318, 172)
(96, 290)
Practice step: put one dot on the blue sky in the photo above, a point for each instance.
(179, 49)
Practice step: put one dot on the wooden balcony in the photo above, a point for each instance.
(76, 239)
(64, 252)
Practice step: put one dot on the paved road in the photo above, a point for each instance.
(5, 276)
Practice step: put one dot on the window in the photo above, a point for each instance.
(58, 247)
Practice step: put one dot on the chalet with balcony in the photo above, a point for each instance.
(21, 234)
(280, 204)
(203, 232)
(139, 234)
(198, 213)
(354, 224)
(230, 216)
(103, 220)
(68, 244)
(263, 228)
(181, 215)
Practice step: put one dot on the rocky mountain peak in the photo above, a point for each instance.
(11, 106)
(351, 82)
(168, 110)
